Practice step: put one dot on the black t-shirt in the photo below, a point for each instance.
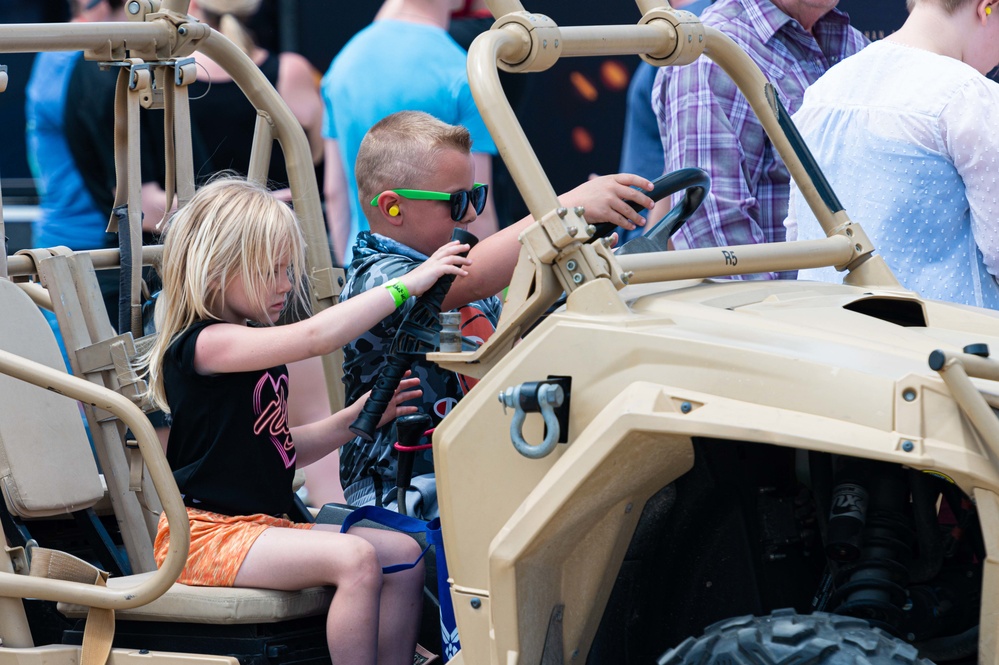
(230, 447)
(89, 126)
(223, 120)
(88, 121)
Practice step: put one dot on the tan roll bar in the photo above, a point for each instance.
(555, 251)
(23, 586)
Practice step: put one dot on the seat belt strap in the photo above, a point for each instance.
(98, 633)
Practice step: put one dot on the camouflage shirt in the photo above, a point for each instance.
(378, 259)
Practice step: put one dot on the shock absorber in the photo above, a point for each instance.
(871, 542)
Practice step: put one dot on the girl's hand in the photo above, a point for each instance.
(605, 199)
(408, 389)
(445, 261)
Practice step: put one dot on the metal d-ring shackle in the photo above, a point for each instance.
(534, 396)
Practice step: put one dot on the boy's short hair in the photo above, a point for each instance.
(400, 148)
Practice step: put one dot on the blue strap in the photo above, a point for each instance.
(394, 520)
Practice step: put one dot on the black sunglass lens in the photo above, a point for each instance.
(478, 195)
(459, 204)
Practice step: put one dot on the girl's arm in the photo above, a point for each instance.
(227, 348)
(317, 440)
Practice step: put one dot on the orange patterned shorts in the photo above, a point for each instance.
(219, 544)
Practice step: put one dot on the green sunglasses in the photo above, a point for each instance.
(459, 200)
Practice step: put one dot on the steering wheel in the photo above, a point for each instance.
(697, 183)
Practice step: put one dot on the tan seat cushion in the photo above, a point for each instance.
(40, 473)
(216, 605)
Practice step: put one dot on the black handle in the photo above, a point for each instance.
(381, 394)
(410, 429)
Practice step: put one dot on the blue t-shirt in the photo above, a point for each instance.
(69, 215)
(386, 68)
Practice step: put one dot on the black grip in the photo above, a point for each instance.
(410, 429)
(381, 394)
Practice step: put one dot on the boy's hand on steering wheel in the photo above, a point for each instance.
(605, 199)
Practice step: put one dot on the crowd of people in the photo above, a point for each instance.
(407, 158)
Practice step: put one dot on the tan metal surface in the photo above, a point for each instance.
(785, 365)
(70, 655)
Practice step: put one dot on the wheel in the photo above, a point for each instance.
(793, 639)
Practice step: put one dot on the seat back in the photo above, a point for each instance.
(46, 464)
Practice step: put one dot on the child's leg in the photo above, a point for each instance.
(402, 592)
(290, 559)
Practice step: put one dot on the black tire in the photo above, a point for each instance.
(793, 639)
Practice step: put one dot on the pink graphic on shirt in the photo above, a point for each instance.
(270, 404)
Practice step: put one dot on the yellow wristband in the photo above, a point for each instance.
(398, 291)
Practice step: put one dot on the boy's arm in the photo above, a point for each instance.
(605, 199)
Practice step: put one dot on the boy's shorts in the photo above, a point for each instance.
(219, 544)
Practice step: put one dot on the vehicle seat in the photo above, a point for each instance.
(47, 469)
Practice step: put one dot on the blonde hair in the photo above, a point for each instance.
(231, 228)
(399, 150)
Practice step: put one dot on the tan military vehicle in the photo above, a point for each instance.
(799, 472)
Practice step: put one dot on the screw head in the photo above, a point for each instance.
(577, 278)
(908, 446)
(134, 7)
(909, 395)
(475, 603)
(570, 264)
(686, 407)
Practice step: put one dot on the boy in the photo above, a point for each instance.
(402, 158)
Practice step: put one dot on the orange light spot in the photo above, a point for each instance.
(614, 75)
(582, 139)
(583, 86)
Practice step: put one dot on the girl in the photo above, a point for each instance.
(232, 257)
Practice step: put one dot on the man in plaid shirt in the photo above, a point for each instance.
(704, 120)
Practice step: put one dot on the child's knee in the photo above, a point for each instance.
(359, 564)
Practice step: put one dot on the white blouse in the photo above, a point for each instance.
(909, 141)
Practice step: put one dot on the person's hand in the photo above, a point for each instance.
(408, 389)
(605, 199)
(445, 261)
